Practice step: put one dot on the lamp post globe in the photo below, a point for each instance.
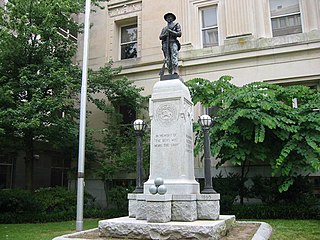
(139, 127)
(206, 123)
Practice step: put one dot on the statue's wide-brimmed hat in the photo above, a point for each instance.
(169, 14)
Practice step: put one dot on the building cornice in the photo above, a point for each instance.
(244, 49)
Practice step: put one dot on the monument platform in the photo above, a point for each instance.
(263, 232)
(130, 228)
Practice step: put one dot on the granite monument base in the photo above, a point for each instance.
(170, 207)
(130, 228)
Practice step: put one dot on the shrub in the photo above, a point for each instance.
(298, 202)
(274, 211)
(18, 201)
(118, 195)
(104, 213)
(42, 205)
(229, 189)
(56, 199)
(36, 217)
(299, 193)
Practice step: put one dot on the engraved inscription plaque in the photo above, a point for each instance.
(166, 140)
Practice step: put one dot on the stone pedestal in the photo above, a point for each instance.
(132, 201)
(171, 158)
(184, 208)
(168, 207)
(159, 208)
(171, 143)
(208, 206)
(141, 210)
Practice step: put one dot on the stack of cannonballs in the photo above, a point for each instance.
(158, 187)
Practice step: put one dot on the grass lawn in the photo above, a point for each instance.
(282, 230)
(41, 231)
(295, 229)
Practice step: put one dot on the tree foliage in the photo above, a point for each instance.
(39, 82)
(118, 91)
(257, 123)
(118, 152)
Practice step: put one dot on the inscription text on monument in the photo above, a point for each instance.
(166, 140)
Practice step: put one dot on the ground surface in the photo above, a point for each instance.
(237, 232)
(242, 231)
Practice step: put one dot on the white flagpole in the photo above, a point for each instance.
(82, 128)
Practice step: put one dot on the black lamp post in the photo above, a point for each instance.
(139, 128)
(206, 123)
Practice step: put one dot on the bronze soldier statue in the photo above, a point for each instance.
(170, 44)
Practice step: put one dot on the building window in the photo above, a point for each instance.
(6, 171)
(285, 17)
(59, 171)
(209, 27)
(129, 41)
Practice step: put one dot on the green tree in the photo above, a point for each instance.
(117, 91)
(40, 85)
(118, 152)
(38, 82)
(257, 123)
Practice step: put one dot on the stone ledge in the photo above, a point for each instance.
(158, 198)
(76, 236)
(208, 197)
(263, 233)
(140, 197)
(138, 229)
(188, 197)
(132, 196)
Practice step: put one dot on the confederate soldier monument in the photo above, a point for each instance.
(171, 203)
(170, 44)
